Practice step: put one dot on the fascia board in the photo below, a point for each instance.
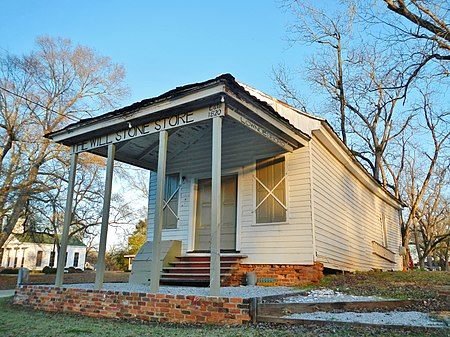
(299, 136)
(61, 136)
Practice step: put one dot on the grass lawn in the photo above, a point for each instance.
(431, 287)
(10, 281)
(17, 321)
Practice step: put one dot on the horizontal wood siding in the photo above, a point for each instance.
(287, 243)
(347, 217)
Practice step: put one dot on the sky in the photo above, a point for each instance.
(162, 44)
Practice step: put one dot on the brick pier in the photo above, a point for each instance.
(282, 274)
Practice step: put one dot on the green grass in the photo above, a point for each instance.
(17, 321)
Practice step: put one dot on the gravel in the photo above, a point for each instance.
(229, 292)
(327, 296)
(410, 318)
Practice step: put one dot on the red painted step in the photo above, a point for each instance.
(194, 269)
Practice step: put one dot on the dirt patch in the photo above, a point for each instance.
(10, 281)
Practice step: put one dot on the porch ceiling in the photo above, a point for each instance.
(143, 152)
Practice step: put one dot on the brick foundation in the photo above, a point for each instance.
(135, 306)
(284, 275)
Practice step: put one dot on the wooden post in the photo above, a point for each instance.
(67, 221)
(100, 270)
(155, 272)
(216, 202)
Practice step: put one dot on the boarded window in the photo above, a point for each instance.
(270, 190)
(39, 258)
(171, 195)
(76, 257)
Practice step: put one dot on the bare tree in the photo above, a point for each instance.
(431, 228)
(426, 167)
(367, 78)
(47, 208)
(355, 76)
(57, 83)
(419, 32)
(317, 26)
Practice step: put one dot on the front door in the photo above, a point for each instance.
(228, 219)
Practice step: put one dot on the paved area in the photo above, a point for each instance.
(7, 293)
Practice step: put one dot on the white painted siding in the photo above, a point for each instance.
(347, 217)
(287, 243)
(18, 249)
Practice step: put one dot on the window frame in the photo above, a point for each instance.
(51, 261)
(286, 191)
(165, 209)
(39, 258)
(76, 259)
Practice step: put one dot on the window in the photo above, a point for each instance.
(65, 258)
(16, 258)
(171, 192)
(8, 259)
(51, 263)
(270, 190)
(383, 230)
(76, 257)
(39, 258)
(23, 257)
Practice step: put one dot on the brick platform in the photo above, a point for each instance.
(135, 306)
(283, 275)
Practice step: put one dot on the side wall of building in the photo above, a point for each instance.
(349, 217)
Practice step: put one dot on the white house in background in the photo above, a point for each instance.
(37, 250)
(293, 197)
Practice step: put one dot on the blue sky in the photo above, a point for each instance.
(162, 44)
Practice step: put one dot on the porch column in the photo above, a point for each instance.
(100, 270)
(67, 221)
(216, 202)
(155, 271)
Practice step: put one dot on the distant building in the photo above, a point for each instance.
(34, 250)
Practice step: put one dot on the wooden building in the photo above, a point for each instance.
(237, 173)
(35, 250)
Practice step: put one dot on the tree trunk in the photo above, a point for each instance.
(421, 263)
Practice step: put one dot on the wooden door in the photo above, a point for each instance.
(228, 214)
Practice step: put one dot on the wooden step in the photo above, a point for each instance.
(202, 258)
(194, 269)
(201, 265)
(185, 282)
(197, 275)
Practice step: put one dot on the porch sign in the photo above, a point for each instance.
(259, 129)
(145, 129)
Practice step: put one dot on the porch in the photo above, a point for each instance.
(202, 143)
